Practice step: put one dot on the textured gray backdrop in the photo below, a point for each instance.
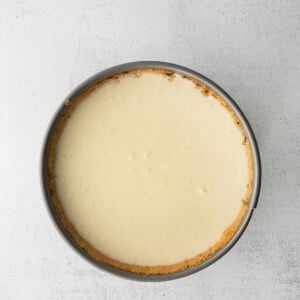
(250, 48)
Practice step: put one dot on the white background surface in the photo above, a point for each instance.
(250, 48)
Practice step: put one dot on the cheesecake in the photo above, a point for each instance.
(150, 171)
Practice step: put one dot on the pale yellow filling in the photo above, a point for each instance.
(150, 171)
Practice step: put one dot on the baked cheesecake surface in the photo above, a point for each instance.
(152, 170)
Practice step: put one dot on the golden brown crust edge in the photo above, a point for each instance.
(83, 244)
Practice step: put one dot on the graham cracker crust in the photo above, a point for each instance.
(96, 255)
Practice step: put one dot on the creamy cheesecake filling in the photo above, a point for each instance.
(150, 171)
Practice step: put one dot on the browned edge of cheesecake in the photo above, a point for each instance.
(81, 242)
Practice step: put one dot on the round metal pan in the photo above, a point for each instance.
(210, 84)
